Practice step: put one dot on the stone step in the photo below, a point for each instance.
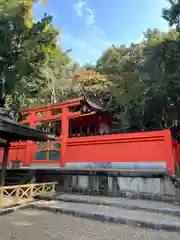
(119, 202)
(136, 218)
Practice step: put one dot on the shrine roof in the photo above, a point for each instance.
(14, 131)
(95, 103)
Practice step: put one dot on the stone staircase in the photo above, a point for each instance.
(137, 213)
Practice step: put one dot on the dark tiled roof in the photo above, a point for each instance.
(14, 131)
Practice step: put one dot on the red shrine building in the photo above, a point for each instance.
(86, 137)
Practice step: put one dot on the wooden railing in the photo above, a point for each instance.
(10, 195)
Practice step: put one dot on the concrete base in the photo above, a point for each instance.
(133, 187)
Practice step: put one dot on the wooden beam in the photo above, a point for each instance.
(83, 115)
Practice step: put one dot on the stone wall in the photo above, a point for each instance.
(159, 188)
(132, 187)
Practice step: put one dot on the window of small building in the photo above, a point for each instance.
(56, 111)
(26, 124)
(83, 126)
(56, 128)
(84, 130)
(74, 128)
(24, 117)
(53, 127)
(75, 108)
(41, 114)
(92, 129)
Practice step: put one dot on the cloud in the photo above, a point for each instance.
(79, 7)
(82, 9)
(89, 47)
(90, 19)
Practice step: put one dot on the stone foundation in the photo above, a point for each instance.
(146, 187)
(133, 187)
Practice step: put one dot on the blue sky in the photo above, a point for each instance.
(90, 26)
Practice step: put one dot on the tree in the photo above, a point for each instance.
(61, 82)
(90, 80)
(120, 64)
(145, 79)
(25, 48)
(162, 70)
(172, 13)
(54, 73)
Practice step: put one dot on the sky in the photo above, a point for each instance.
(89, 27)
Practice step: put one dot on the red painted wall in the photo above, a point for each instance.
(131, 147)
(17, 152)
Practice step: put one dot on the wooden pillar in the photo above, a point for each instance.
(4, 164)
(65, 133)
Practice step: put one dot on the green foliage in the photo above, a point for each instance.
(172, 13)
(26, 49)
(145, 79)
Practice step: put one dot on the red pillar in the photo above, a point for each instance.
(32, 119)
(31, 146)
(170, 160)
(65, 133)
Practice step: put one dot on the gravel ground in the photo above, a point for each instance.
(33, 224)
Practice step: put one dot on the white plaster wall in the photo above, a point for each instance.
(83, 182)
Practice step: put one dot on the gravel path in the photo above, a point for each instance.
(33, 224)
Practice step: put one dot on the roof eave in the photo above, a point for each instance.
(12, 130)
